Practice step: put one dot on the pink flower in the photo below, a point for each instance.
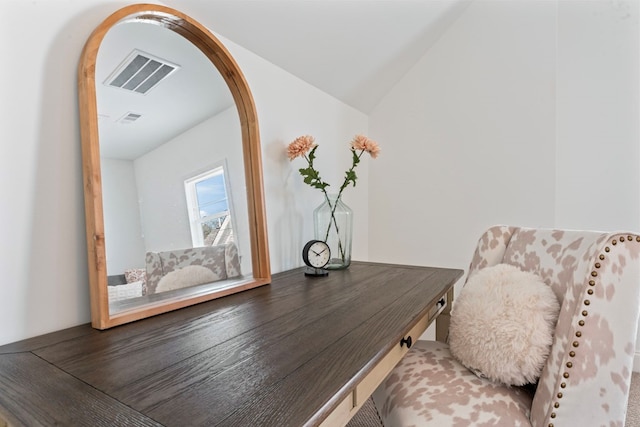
(361, 142)
(304, 144)
(300, 146)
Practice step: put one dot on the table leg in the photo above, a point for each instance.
(442, 321)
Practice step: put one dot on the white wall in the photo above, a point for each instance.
(472, 132)
(598, 149)
(43, 251)
(524, 112)
(124, 242)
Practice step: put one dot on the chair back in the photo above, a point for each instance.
(596, 277)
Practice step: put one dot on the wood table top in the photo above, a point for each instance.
(283, 354)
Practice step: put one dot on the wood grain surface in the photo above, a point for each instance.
(283, 355)
(35, 393)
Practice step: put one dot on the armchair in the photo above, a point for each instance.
(585, 380)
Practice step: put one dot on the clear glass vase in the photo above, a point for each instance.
(333, 222)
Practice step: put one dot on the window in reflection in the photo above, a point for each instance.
(208, 202)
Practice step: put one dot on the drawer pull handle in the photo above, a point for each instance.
(408, 341)
(441, 303)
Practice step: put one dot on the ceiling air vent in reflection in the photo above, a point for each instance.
(140, 72)
(129, 118)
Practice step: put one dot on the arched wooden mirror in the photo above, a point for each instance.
(172, 168)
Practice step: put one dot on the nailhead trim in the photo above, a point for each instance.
(581, 322)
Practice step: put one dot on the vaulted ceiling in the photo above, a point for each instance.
(355, 50)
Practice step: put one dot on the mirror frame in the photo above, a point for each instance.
(212, 48)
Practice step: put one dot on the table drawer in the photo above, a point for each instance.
(354, 401)
(342, 414)
(386, 365)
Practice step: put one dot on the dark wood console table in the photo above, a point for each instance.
(301, 351)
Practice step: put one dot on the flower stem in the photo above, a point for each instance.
(356, 160)
(335, 222)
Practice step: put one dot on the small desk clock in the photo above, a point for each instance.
(316, 255)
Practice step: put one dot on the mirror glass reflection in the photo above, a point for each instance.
(173, 182)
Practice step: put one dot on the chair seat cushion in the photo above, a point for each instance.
(431, 388)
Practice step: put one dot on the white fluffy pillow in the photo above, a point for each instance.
(183, 277)
(502, 324)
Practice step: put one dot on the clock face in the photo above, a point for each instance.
(316, 254)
